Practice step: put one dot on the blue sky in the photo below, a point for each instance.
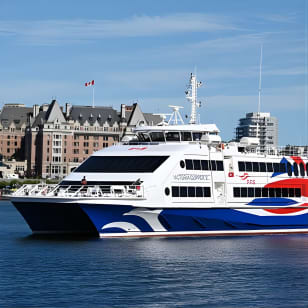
(143, 51)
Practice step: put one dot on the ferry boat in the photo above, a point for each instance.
(175, 180)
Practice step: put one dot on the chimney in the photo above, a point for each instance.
(123, 106)
(36, 110)
(67, 109)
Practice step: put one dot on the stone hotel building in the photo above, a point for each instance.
(54, 141)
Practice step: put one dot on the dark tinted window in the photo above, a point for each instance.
(189, 164)
(269, 167)
(258, 192)
(295, 168)
(197, 164)
(291, 192)
(172, 136)
(278, 192)
(262, 167)
(271, 192)
(264, 192)
(186, 136)
(191, 192)
(251, 192)
(307, 169)
(285, 192)
(297, 192)
(206, 192)
(213, 164)
(276, 167)
(199, 192)
(289, 168)
(220, 165)
(183, 191)
(241, 166)
(255, 167)
(197, 136)
(282, 167)
(121, 164)
(205, 164)
(236, 192)
(302, 169)
(175, 191)
(248, 166)
(244, 192)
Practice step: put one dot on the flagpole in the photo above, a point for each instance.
(93, 98)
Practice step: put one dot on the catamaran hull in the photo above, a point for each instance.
(55, 218)
(128, 221)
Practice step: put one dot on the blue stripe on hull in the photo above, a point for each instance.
(55, 218)
(186, 220)
(228, 219)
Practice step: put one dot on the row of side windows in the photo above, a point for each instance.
(296, 169)
(255, 192)
(197, 164)
(191, 191)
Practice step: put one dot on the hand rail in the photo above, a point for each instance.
(73, 191)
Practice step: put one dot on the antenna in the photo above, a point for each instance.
(260, 79)
(259, 101)
(191, 95)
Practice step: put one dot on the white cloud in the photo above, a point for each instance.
(73, 31)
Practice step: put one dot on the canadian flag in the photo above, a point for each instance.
(90, 83)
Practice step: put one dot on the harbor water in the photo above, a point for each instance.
(251, 271)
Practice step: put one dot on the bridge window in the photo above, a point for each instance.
(186, 136)
(172, 136)
(197, 136)
(157, 136)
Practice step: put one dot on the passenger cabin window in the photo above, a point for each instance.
(264, 192)
(307, 169)
(196, 164)
(121, 164)
(191, 192)
(302, 169)
(289, 168)
(295, 169)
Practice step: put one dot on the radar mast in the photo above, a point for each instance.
(191, 95)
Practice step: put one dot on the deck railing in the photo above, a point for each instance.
(78, 191)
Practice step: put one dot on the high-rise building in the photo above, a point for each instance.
(260, 125)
